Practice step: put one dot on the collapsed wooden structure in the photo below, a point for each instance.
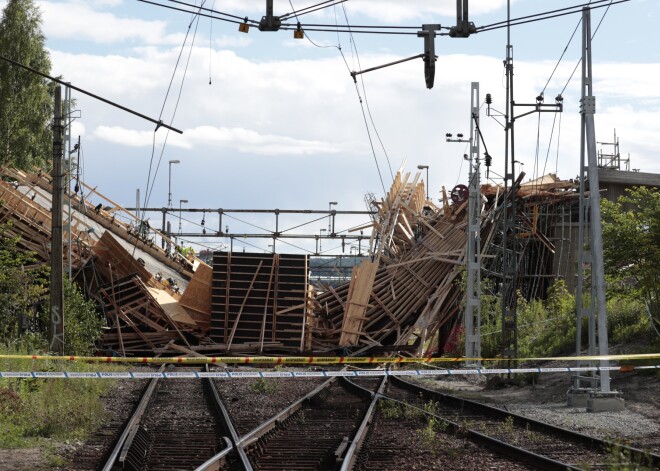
(156, 301)
(407, 291)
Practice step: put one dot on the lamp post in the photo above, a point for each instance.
(169, 187)
(422, 167)
(180, 207)
(330, 205)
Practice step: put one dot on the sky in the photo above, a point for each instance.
(270, 121)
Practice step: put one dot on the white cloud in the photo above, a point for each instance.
(240, 139)
(232, 41)
(88, 23)
(396, 11)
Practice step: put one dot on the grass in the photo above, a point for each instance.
(264, 386)
(37, 411)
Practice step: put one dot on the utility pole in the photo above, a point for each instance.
(56, 331)
(67, 134)
(600, 399)
(509, 301)
(472, 317)
(509, 298)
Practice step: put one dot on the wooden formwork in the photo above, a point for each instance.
(259, 301)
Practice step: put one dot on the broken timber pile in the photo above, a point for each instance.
(407, 290)
(134, 281)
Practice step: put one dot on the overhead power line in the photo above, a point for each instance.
(158, 123)
(372, 29)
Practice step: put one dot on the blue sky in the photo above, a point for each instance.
(280, 125)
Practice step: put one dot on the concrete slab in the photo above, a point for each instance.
(605, 402)
(577, 397)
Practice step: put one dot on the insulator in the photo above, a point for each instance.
(489, 99)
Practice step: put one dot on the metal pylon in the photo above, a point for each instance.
(593, 257)
(472, 317)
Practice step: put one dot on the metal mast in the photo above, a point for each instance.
(509, 262)
(597, 264)
(472, 318)
(600, 396)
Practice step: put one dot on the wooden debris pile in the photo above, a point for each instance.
(407, 290)
(135, 282)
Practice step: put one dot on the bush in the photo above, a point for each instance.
(32, 409)
(82, 325)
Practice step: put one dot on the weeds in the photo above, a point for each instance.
(620, 458)
(507, 425)
(59, 409)
(390, 409)
(264, 386)
(428, 436)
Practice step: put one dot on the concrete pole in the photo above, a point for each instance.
(56, 331)
(67, 95)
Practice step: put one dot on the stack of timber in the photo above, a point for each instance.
(406, 291)
(259, 302)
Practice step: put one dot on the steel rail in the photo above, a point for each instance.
(119, 454)
(533, 424)
(500, 447)
(213, 464)
(351, 454)
(261, 430)
(228, 424)
(132, 423)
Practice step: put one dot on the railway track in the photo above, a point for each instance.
(361, 423)
(537, 443)
(178, 424)
(317, 435)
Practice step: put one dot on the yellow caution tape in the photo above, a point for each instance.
(314, 360)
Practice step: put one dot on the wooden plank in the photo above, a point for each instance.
(356, 303)
(197, 295)
(171, 307)
(238, 316)
(263, 321)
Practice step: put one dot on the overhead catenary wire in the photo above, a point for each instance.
(311, 9)
(612, 2)
(548, 15)
(364, 91)
(382, 29)
(211, 45)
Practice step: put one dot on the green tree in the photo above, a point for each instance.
(23, 286)
(26, 106)
(82, 324)
(631, 245)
